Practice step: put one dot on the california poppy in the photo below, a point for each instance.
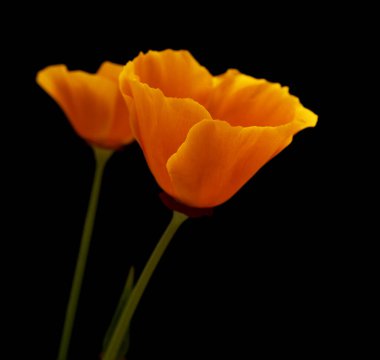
(92, 103)
(205, 136)
(95, 108)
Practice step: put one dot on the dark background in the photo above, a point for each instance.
(255, 278)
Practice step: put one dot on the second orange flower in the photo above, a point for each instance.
(92, 103)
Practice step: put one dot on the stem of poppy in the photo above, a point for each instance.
(101, 158)
(130, 307)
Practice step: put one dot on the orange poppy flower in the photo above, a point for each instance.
(92, 102)
(204, 137)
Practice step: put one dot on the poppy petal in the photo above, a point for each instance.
(110, 71)
(160, 124)
(176, 73)
(120, 132)
(217, 159)
(243, 100)
(88, 100)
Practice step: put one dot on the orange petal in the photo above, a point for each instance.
(160, 124)
(110, 71)
(176, 73)
(303, 118)
(243, 100)
(120, 132)
(217, 159)
(86, 99)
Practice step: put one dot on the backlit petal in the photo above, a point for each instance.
(85, 98)
(160, 124)
(120, 131)
(217, 159)
(176, 73)
(243, 100)
(92, 103)
(110, 70)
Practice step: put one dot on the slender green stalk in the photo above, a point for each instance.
(129, 309)
(101, 157)
(120, 306)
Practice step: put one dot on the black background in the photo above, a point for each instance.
(255, 278)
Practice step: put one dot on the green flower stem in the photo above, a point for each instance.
(120, 306)
(101, 158)
(129, 309)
